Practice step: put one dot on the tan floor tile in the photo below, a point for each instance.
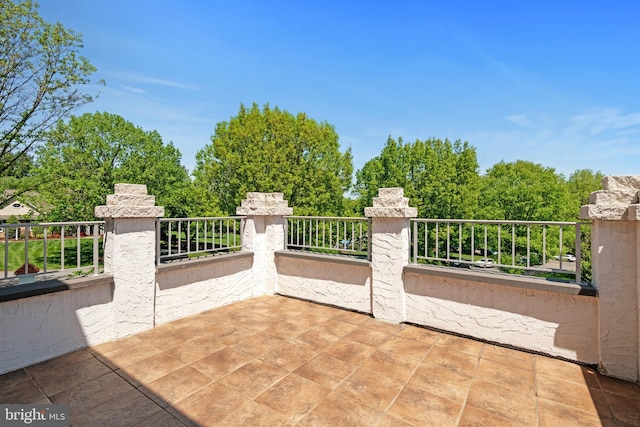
(441, 381)
(64, 377)
(209, 405)
(425, 409)
(506, 375)
(406, 347)
(508, 356)
(150, 369)
(371, 389)
(337, 410)
(60, 362)
(221, 362)
(308, 319)
(286, 330)
(110, 346)
(474, 417)
(12, 378)
(389, 421)
(92, 393)
(350, 351)
(576, 395)
(463, 345)
(619, 387)
(164, 336)
(317, 339)
(453, 360)
(625, 409)
(253, 378)
(382, 326)
(196, 349)
(126, 409)
(554, 368)
(24, 392)
(422, 335)
(293, 396)
(255, 415)
(289, 355)
(391, 365)
(336, 327)
(325, 370)
(175, 386)
(257, 344)
(352, 317)
(160, 419)
(325, 311)
(553, 414)
(503, 402)
(125, 356)
(369, 336)
(233, 334)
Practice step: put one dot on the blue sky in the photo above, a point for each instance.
(553, 82)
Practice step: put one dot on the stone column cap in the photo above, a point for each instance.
(391, 203)
(617, 202)
(264, 204)
(129, 201)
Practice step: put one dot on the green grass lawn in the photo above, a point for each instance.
(54, 258)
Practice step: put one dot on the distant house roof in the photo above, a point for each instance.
(16, 206)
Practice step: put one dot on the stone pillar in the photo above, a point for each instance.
(615, 236)
(389, 252)
(263, 234)
(129, 256)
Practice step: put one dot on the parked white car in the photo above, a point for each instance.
(484, 263)
(567, 257)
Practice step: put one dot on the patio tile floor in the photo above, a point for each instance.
(272, 361)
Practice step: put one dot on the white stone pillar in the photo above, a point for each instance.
(264, 233)
(389, 252)
(615, 255)
(129, 256)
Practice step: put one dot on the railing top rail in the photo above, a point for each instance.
(50, 224)
(497, 221)
(346, 218)
(202, 218)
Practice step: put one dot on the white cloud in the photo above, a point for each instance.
(603, 120)
(134, 89)
(519, 119)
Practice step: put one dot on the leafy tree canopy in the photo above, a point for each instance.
(581, 184)
(524, 191)
(83, 159)
(271, 150)
(41, 76)
(439, 177)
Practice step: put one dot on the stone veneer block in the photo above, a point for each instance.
(139, 189)
(266, 204)
(616, 197)
(614, 183)
(129, 211)
(390, 192)
(130, 200)
(391, 203)
(391, 212)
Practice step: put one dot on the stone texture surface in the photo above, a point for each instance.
(268, 204)
(129, 201)
(615, 183)
(390, 203)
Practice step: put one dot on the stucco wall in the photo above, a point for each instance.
(41, 327)
(342, 282)
(555, 323)
(191, 287)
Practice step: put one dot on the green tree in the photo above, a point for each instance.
(41, 76)
(524, 191)
(271, 150)
(83, 159)
(439, 177)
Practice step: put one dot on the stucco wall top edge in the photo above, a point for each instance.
(198, 262)
(505, 280)
(337, 259)
(54, 285)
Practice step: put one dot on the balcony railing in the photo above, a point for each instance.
(552, 249)
(183, 238)
(53, 248)
(332, 235)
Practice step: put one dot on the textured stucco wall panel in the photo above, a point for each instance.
(554, 323)
(184, 292)
(42, 327)
(347, 286)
